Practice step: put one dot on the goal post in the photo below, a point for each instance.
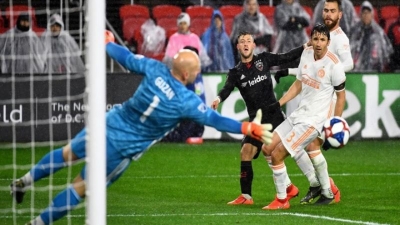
(96, 135)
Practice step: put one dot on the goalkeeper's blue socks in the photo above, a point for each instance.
(49, 164)
(62, 203)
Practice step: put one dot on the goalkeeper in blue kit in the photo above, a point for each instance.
(158, 105)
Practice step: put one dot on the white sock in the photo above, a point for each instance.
(37, 221)
(288, 182)
(304, 163)
(27, 179)
(280, 176)
(247, 196)
(321, 167)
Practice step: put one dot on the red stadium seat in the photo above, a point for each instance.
(168, 23)
(389, 11)
(199, 25)
(170, 32)
(131, 30)
(268, 12)
(195, 11)
(126, 11)
(230, 11)
(162, 11)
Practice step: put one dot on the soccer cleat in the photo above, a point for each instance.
(278, 204)
(241, 200)
(312, 193)
(17, 190)
(335, 190)
(324, 200)
(292, 192)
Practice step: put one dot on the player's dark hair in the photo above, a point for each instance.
(243, 33)
(322, 29)
(339, 2)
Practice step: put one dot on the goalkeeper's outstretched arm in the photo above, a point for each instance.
(253, 129)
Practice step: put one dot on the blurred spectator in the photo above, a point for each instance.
(370, 47)
(188, 130)
(394, 36)
(183, 37)
(154, 38)
(62, 52)
(254, 22)
(349, 16)
(218, 45)
(21, 50)
(291, 21)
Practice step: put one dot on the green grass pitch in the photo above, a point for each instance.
(191, 184)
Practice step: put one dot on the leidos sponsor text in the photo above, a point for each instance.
(257, 79)
(13, 116)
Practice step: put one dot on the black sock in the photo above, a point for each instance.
(246, 177)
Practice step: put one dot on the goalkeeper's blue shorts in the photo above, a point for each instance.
(116, 163)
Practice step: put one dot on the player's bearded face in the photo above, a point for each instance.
(331, 14)
(331, 22)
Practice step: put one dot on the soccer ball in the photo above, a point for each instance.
(335, 133)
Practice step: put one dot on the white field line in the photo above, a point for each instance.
(235, 176)
(260, 175)
(322, 218)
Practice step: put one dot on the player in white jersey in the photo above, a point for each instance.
(339, 45)
(319, 77)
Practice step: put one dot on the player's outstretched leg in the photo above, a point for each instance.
(50, 163)
(64, 202)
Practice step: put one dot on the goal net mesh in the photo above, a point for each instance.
(40, 110)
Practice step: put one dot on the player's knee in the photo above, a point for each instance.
(266, 149)
(314, 145)
(68, 155)
(247, 152)
(79, 185)
(278, 155)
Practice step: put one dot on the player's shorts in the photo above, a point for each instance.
(275, 119)
(296, 137)
(116, 163)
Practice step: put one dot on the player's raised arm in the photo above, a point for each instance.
(126, 58)
(282, 58)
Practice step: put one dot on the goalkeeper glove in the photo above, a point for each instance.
(109, 36)
(281, 73)
(257, 130)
